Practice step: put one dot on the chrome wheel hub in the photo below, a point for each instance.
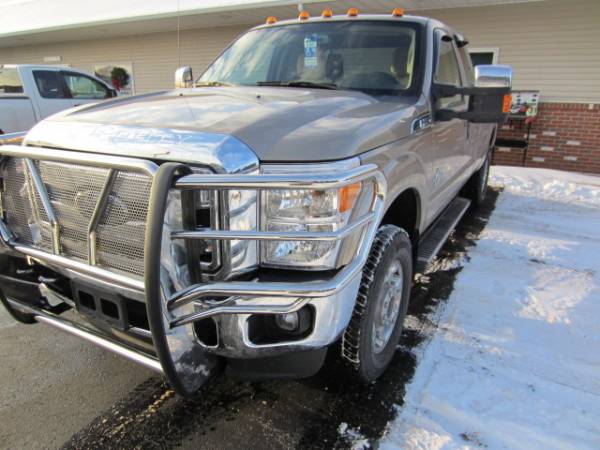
(388, 306)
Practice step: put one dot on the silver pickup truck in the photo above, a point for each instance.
(272, 209)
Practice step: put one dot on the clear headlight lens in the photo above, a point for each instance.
(308, 211)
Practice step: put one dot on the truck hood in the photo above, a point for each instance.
(278, 124)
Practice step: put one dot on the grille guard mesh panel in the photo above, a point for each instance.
(74, 191)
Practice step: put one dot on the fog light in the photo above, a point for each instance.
(288, 322)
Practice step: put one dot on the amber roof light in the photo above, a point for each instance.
(327, 13)
(398, 12)
(353, 12)
(271, 20)
(304, 15)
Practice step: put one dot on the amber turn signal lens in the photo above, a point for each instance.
(506, 102)
(271, 20)
(13, 141)
(347, 196)
(398, 12)
(304, 15)
(327, 13)
(353, 12)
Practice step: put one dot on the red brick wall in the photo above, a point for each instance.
(564, 136)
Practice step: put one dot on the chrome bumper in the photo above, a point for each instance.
(183, 359)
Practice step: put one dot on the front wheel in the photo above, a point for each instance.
(371, 339)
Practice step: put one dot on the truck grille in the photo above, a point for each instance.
(74, 191)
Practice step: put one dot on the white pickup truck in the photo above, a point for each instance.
(31, 93)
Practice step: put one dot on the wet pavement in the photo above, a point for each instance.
(59, 392)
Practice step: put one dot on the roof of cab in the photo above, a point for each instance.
(361, 17)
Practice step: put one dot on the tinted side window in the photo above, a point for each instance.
(10, 82)
(468, 66)
(48, 84)
(83, 87)
(447, 70)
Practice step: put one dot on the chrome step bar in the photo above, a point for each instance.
(435, 237)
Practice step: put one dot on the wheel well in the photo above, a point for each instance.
(404, 213)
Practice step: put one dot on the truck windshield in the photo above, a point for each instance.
(377, 57)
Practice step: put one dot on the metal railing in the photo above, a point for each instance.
(299, 295)
(174, 344)
(56, 259)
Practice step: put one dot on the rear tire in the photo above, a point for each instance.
(370, 341)
(476, 188)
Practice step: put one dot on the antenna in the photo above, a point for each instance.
(178, 36)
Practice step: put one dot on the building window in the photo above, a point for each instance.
(481, 55)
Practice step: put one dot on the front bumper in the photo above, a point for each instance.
(177, 352)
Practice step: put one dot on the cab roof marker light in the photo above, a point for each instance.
(304, 15)
(327, 13)
(271, 20)
(398, 12)
(353, 12)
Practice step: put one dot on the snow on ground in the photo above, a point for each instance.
(515, 361)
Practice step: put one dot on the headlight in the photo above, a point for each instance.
(306, 210)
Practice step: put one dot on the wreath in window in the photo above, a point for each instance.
(119, 78)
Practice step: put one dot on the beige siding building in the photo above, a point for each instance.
(552, 46)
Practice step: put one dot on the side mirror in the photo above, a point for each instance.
(489, 98)
(493, 76)
(184, 78)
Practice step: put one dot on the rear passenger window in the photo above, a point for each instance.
(48, 84)
(447, 71)
(10, 81)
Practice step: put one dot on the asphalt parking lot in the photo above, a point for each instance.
(59, 392)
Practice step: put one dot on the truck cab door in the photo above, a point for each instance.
(450, 136)
(51, 93)
(84, 89)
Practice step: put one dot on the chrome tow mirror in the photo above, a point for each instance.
(184, 78)
(493, 76)
(489, 97)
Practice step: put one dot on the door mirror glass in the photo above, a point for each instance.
(184, 78)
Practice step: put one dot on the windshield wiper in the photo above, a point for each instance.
(212, 83)
(301, 84)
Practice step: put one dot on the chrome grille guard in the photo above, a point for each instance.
(182, 358)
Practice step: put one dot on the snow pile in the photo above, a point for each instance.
(549, 184)
(352, 438)
(515, 361)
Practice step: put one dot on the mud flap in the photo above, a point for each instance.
(184, 362)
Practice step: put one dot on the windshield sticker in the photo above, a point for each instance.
(310, 51)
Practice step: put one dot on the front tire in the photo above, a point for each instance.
(370, 341)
